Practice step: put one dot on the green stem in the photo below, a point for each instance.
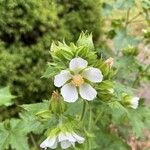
(132, 19)
(90, 118)
(97, 118)
(33, 141)
(90, 124)
(127, 18)
(83, 111)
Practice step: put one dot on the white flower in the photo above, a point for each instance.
(49, 143)
(75, 80)
(134, 102)
(66, 140)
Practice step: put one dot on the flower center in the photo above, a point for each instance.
(77, 80)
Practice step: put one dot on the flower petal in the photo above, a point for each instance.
(49, 142)
(62, 78)
(77, 64)
(92, 74)
(54, 145)
(62, 137)
(65, 144)
(78, 138)
(70, 137)
(87, 92)
(135, 102)
(69, 93)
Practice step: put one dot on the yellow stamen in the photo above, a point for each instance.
(77, 80)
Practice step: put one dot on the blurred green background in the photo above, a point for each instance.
(27, 28)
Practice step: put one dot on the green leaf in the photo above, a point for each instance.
(124, 4)
(5, 96)
(11, 134)
(127, 66)
(123, 40)
(51, 70)
(31, 124)
(146, 4)
(107, 9)
(75, 108)
(32, 121)
(110, 141)
(35, 108)
(139, 120)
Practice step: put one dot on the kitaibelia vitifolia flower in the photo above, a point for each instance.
(78, 79)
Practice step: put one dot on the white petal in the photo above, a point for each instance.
(78, 138)
(87, 92)
(77, 64)
(48, 142)
(62, 78)
(70, 137)
(65, 144)
(69, 93)
(93, 74)
(62, 137)
(54, 145)
(135, 102)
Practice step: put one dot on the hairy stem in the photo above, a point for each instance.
(83, 111)
(33, 141)
(90, 125)
(127, 17)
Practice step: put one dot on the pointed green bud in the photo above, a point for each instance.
(57, 105)
(130, 51)
(126, 99)
(85, 39)
(44, 115)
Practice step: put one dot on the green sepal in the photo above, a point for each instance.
(85, 39)
(130, 50)
(57, 106)
(126, 99)
(106, 70)
(52, 132)
(105, 90)
(44, 115)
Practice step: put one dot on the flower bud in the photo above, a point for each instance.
(129, 101)
(134, 102)
(109, 62)
(130, 50)
(56, 103)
